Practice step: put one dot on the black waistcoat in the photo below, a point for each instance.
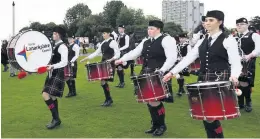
(214, 58)
(56, 58)
(247, 43)
(153, 53)
(71, 52)
(121, 40)
(107, 52)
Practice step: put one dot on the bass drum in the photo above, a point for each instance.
(29, 50)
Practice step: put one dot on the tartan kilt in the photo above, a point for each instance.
(55, 84)
(213, 75)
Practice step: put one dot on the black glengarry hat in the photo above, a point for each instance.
(216, 14)
(156, 23)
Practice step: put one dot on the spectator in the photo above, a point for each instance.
(4, 57)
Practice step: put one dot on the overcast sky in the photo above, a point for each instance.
(46, 11)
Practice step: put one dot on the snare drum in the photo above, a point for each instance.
(150, 87)
(68, 72)
(29, 50)
(195, 66)
(139, 61)
(212, 101)
(99, 71)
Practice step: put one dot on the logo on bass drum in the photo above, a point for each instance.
(27, 51)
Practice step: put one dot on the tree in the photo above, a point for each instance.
(150, 17)
(111, 11)
(139, 17)
(172, 28)
(74, 15)
(89, 26)
(255, 21)
(23, 29)
(126, 16)
(50, 25)
(37, 26)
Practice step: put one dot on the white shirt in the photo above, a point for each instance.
(256, 39)
(115, 35)
(230, 45)
(126, 42)
(75, 48)
(113, 44)
(63, 50)
(196, 37)
(170, 49)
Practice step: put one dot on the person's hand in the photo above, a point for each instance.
(49, 67)
(234, 80)
(72, 64)
(169, 75)
(248, 57)
(117, 62)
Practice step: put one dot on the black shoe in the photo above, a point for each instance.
(241, 107)
(169, 99)
(248, 107)
(122, 85)
(159, 131)
(12, 75)
(105, 103)
(151, 130)
(183, 91)
(6, 69)
(179, 94)
(118, 85)
(70, 95)
(109, 103)
(54, 123)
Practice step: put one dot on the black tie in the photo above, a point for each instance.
(153, 39)
(241, 35)
(209, 41)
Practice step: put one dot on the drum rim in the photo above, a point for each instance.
(193, 84)
(20, 34)
(95, 63)
(145, 75)
(14, 64)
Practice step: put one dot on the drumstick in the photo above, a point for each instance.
(42, 70)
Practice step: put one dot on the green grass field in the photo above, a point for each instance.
(24, 113)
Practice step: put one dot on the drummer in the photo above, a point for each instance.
(110, 51)
(183, 48)
(54, 83)
(217, 53)
(72, 57)
(250, 45)
(159, 51)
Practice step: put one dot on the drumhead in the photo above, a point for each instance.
(207, 83)
(32, 50)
